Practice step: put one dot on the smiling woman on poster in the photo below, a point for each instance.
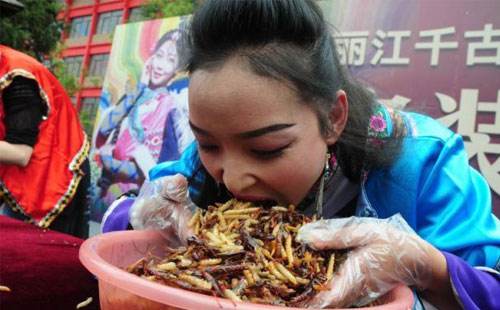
(148, 126)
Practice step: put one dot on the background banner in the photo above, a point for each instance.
(143, 113)
(440, 58)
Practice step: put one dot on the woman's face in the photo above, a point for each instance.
(163, 64)
(255, 135)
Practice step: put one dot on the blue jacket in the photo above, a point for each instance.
(445, 200)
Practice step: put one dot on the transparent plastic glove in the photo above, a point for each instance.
(164, 204)
(383, 253)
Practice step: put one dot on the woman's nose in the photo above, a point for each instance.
(237, 176)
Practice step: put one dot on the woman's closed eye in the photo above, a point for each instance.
(259, 153)
(272, 153)
(208, 148)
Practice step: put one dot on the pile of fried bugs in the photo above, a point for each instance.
(245, 253)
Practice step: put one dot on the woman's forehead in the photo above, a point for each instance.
(234, 97)
(168, 46)
(235, 77)
(233, 84)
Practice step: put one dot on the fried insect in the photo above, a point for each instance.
(245, 253)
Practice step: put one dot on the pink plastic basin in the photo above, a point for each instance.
(105, 255)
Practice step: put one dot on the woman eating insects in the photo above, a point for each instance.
(278, 120)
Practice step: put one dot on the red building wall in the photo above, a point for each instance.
(93, 43)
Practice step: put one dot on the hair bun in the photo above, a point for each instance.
(251, 22)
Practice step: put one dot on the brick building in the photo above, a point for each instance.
(87, 44)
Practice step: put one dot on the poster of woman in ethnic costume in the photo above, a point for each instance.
(143, 113)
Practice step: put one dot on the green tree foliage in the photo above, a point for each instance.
(59, 68)
(153, 9)
(34, 29)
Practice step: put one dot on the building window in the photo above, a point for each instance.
(74, 65)
(135, 15)
(98, 64)
(108, 22)
(80, 27)
(88, 112)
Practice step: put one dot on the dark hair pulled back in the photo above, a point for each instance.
(289, 40)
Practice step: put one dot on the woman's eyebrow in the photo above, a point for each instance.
(247, 134)
(264, 130)
(198, 130)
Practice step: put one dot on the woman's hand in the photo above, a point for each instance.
(164, 204)
(383, 253)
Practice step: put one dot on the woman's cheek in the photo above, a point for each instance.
(296, 180)
(210, 163)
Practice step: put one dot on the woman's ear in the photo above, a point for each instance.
(338, 117)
